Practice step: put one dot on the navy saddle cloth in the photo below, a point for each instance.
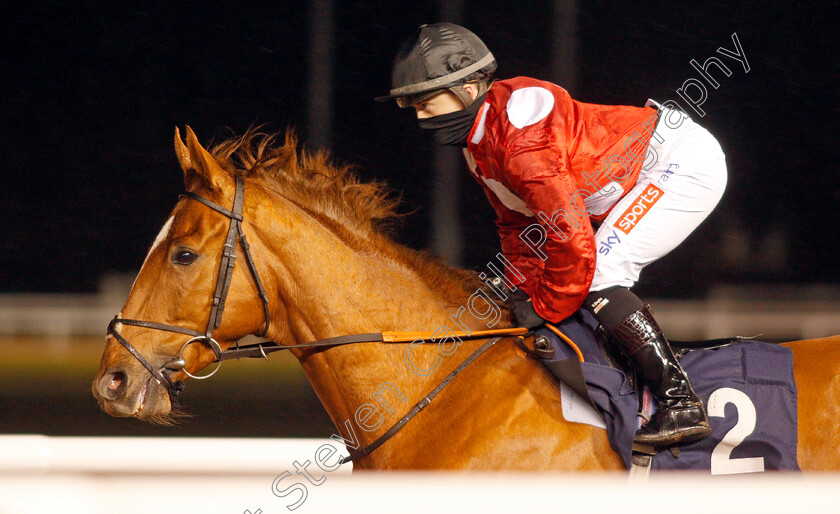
(748, 388)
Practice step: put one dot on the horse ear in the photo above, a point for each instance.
(200, 168)
(181, 152)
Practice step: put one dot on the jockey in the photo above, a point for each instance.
(585, 195)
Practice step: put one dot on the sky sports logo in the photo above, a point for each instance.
(639, 208)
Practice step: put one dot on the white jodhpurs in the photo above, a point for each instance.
(682, 181)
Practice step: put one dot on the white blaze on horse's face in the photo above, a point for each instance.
(164, 232)
(162, 235)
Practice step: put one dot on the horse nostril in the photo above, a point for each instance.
(113, 384)
(116, 381)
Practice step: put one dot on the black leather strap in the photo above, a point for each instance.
(213, 205)
(422, 404)
(246, 249)
(266, 347)
(228, 261)
(155, 326)
(174, 388)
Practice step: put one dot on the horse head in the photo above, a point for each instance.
(170, 326)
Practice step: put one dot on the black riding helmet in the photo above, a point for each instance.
(438, 56)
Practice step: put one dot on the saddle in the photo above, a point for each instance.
(735, 370)
(568, 373)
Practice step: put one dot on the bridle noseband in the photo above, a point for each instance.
(226, 266)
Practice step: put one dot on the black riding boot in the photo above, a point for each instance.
(680, 417)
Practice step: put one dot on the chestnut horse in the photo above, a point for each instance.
(328, 269)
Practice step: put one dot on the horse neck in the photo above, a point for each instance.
(330, 287)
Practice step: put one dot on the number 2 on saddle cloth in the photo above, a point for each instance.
(747, 386)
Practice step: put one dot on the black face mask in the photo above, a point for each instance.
(453, 129)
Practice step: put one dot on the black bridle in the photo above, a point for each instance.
(256, 350)
(226, 267)
(235, 237)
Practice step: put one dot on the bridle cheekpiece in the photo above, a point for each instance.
(235, 237)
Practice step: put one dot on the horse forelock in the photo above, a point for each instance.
(358, 212)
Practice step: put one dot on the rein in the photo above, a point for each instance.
(235, 237)
(422, 404)
(261, 350)
(256, 350)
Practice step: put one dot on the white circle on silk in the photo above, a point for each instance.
(529, 105)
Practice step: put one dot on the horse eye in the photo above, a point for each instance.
(183, 257)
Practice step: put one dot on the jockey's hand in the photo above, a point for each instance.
(523, 311)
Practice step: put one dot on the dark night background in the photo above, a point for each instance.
(91, 93)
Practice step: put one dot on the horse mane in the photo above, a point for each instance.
(308, 179)
(360, 213)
